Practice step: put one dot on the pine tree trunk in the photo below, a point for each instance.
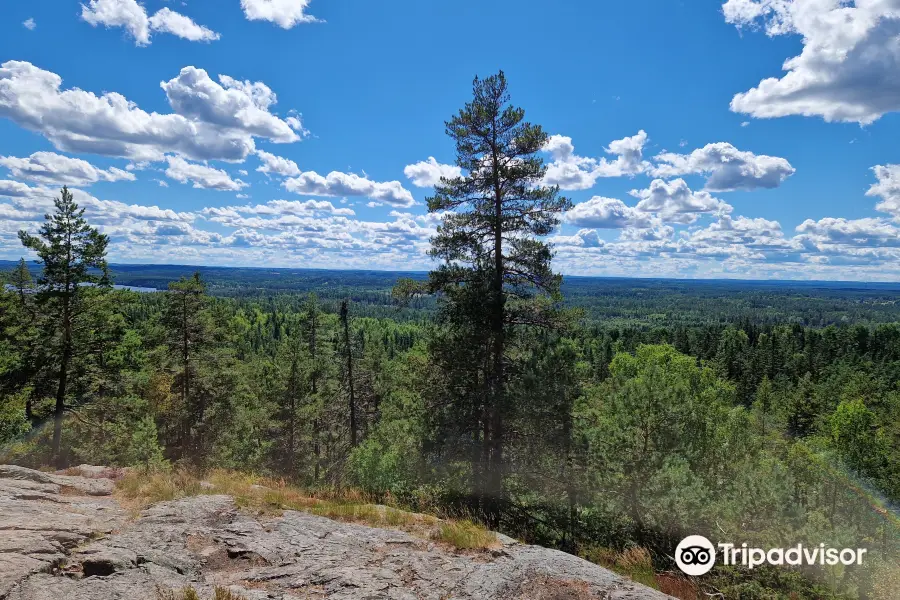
(494, 483)
(63, 380)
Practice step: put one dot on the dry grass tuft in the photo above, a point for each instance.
(466, 535)
(139, 490)
(189, 593)
(634, 562)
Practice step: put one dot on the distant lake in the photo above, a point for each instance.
(134, 288)
(130, 288)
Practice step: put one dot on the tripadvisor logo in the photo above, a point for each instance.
(696, 555)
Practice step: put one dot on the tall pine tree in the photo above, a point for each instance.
(496, 274)
(188, 333)
(70, 251)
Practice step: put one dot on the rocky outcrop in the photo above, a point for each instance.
(43, 517)
(62, 545)
(91, 481)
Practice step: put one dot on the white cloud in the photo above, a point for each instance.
(868, 232)
(606, 213)
(279, 208)
(658, 232)
(132, 16)
(284, 13)
(675, 202)
(169, 21)
(13, 189)
(349, 184)
(887, 188)
(629, 156)
(52, 168)
(846, 69)
(319, 233)
(280, 232)
(276, 165)
(38, 200)
(119, 13)
(234, 104)
(743, 231)
(202, 176)
(587, 238)
(727, 168)
(428, 173)
(210, 121)
(572, 172)
(29, 24)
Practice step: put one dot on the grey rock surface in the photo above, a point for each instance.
(83, 548)
(93, 486)
(43, 517)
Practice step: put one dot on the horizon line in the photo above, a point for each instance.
(425, 272)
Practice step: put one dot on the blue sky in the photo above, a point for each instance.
(681, 159)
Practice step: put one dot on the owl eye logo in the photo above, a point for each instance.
(695, 555)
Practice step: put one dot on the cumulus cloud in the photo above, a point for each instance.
(887, 188)
(675, 202)
(728, 231)
(36, 201)
(29, 24)
(428, 173)
(231, 104)
(606, 213)
(132, 16)
(572, 172)
(349, 184)
(279, 207)
(727, 168)
(868, 232)
(276, 165)
(14, 189)
(202, 176)
(284, 13)
(169, 21)
(51, 168)
(211, 121)
(658, 232)
(846, 69)
(585, 238)
(319, 233)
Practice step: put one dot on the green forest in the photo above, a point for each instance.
(596, 418)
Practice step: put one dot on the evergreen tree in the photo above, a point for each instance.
(348, 357)
(312, 325)
(493, 261)
(22, 282)
(69, 250)
(187, 329)
(20, 330)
